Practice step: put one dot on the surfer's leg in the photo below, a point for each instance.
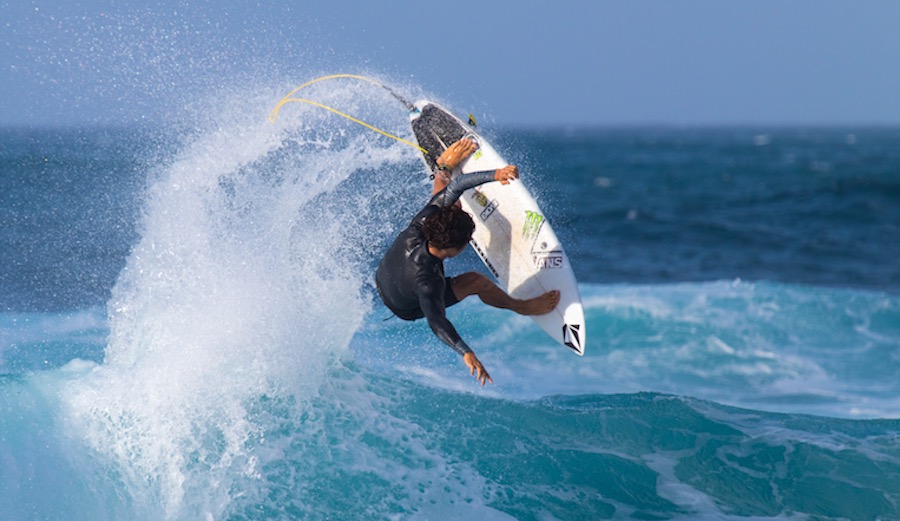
(441, 180)
(473, 283)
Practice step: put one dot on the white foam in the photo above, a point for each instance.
(237, 289)
(767, 346)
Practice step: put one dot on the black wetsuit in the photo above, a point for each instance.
(411, 280)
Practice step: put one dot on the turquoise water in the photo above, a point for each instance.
(188, 327)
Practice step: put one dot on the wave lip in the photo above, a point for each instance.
(244, 290)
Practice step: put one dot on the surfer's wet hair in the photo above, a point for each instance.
(449, 228)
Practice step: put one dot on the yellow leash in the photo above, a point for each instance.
(290, 99)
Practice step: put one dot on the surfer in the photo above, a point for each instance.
(410, 277)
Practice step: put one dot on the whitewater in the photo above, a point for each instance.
(243, 368)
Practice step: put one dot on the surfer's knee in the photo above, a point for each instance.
(470, 283)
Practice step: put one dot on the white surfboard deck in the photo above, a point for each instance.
(512, 235)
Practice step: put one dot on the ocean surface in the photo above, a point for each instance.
(189, 329)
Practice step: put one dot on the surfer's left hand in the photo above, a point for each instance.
(476, 369)
(506, 174)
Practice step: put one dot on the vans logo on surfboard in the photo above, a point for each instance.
(552, 260)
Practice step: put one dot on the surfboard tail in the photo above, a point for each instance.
(572, 335)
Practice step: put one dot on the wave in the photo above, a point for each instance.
(760, 345)
(242, 370)
(372, 447)
(249, 241)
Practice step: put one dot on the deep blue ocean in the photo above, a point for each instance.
(189, 330)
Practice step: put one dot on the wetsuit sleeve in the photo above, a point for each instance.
(460, 184)
(431, 300)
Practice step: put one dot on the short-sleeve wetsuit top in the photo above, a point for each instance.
(411, 280)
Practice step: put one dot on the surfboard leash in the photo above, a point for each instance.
(273, 116)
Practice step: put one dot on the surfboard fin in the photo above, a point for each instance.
(472, 121)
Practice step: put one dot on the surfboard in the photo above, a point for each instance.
(513, 236)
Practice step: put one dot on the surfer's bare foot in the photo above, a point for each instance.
(540, 305)
(456, 153)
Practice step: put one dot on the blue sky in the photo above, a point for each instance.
(597, 62)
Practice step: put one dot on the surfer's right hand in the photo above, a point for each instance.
(475, 368)
(506, 174)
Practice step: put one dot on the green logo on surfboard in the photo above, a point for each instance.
(533, 222)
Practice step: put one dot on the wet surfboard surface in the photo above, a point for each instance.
(513, 236)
